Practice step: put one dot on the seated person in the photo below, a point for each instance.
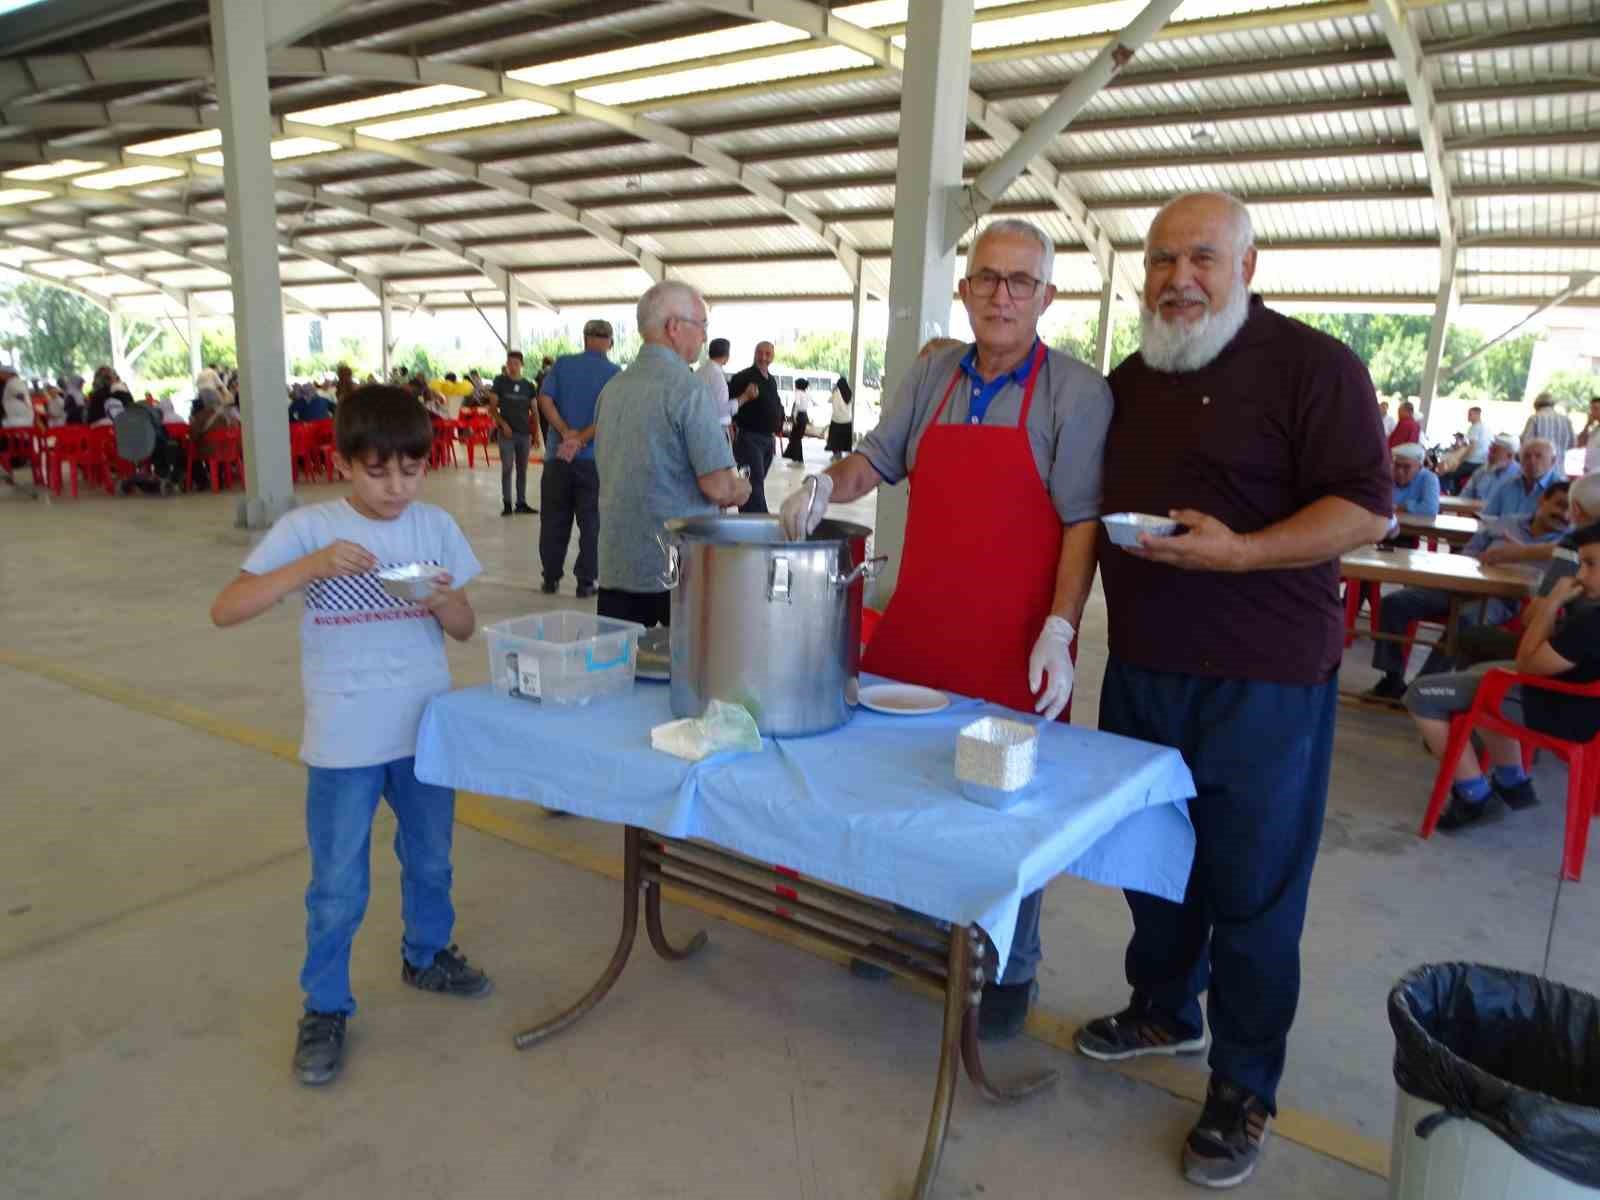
(1519, 494)
(1416, 489)
(309, 405)
(15, 400)
(1570, 654)
(1500, 466)
(1546, 527)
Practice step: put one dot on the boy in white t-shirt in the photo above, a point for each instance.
(369, 664)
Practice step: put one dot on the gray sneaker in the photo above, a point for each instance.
(1225, 1144)
(448, 974)
(319, 1047)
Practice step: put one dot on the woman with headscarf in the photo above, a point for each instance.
(841, 425)
(798, 421)
(109, 397)
(74, 407)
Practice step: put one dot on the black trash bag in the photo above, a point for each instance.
(1517, 1054)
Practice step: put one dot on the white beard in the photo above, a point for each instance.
(1176, 347)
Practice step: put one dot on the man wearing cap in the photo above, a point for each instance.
(1518, 495)
(1416, 489)
(1001, 442)
(1500, 465)
(1225, 643)
(568, 399)
(713, 373)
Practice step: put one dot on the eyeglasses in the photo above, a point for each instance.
(1019, 285)
(693, 320)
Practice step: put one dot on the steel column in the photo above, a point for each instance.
(513, 318)
(196, 360)
(933, 126)
(1102, 335)
(858, 337)
(1436, 331)
(386, 332)
(239, 33)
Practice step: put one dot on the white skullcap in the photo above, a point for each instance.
(1508, 441)
(1411, 450)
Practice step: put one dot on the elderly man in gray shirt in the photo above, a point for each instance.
(1002, 443)
(661, 452)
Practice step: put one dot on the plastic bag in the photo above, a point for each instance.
(1517, 1054)
(724, 726)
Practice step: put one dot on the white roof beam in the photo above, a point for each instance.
(408, 71)
(290, 20)
(177, 295)
(1407, 47)
(106, 304)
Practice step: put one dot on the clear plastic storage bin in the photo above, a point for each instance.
(562, 657)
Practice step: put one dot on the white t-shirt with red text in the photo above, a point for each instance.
(369, 661)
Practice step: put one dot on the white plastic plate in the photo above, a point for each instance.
(1125, 527)
(903, 699)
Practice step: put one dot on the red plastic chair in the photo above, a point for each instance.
(1582, 758)
(477, 433)
(444, 442)
(21, 443)
(72, 450)
(222, 450)
(1354, 592)
(869, 624)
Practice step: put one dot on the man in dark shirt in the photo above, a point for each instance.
(1262, 438)
(512, 408)
(756, 423)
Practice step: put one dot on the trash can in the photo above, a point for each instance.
(1499, 1076)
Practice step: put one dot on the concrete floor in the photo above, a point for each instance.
(152, 923)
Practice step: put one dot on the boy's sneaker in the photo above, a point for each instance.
(1517, 796)
(319, 1047)
(1225, 1144)
(1389, 688)
(1463, 812)
(1135, 1032)
(449, 975)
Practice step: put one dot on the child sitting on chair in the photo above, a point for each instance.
(369, 664)
(1570, 654)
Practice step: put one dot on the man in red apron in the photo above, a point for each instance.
(1002, 444)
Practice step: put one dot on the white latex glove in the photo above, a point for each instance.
(802, 512)
(1052, 658)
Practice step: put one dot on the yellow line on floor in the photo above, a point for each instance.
(527, 826)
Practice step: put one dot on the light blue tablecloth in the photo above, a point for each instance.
(873, 806)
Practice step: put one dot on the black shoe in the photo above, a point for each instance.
(1135, 1032)
(1463, 812)
(1389, 688)
(505, 510)
(548, 587)
(1517, 796)
(1225, 1144)
(449, 975)
(523, 508)
(319, 1047)
(1004, 1010)
(585, 590)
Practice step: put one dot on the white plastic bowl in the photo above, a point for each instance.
(412, 581)
(1125, 527)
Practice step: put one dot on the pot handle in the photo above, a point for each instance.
(867, 570)
(673, 573)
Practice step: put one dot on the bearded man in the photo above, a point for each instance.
(1262, 438)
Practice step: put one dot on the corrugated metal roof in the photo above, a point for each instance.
(1299, 108)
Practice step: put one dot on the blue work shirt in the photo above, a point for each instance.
(310, 408)
(1486, 478)
(574, 384)
(1519, 533)
(1420, 497)
(1513, 498)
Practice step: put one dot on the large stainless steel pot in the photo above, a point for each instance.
(764, 622)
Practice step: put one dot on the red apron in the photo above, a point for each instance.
(978, 572)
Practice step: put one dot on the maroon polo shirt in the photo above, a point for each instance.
(1283, 417)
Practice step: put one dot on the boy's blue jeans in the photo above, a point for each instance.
(340, 804)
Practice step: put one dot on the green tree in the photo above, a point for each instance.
(55, 332)
(218, 348)
(1503, 369)
(830, 351)
(1572, 389)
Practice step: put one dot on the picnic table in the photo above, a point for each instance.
(1465, 580)
(858, 839)
(1452, 529)
(1456, 506)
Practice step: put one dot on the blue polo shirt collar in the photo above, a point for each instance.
(984, 391)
